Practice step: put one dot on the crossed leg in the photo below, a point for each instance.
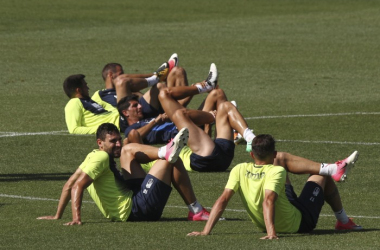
(134, 154)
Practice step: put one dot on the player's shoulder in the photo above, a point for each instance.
(99, 155)
(73, 102)
(96, 94)
(275, 169)
(243, 166)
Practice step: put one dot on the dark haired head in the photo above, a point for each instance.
(110, 67)
(263, 146)
(124, 103)
(104, 129)
(71, 83)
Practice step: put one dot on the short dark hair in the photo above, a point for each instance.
(104, 129)
(263, 145)
(71, 83)
(110, 67)
(124, 103)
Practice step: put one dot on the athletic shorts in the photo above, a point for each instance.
(148, 110)
(309, 203)
(219, 160)
(149, 198)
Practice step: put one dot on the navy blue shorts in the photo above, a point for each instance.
(149, 198)
(148, 110)
(219, 160)
(309, 203)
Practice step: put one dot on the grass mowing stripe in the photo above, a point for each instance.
(333, 142)
(12, 134)
(312, 115)
(182, 207)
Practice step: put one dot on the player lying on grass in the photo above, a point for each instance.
(119, 85)
(269, 199)
(131, 195)
(84, 114)
(206, 155)
(159, 129)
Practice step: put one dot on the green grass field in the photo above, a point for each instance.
(305, 71)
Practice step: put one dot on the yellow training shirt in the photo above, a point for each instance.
(110, 194)
(251, 181)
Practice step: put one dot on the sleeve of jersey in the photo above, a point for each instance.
(95, 164)
(73, 115)
(275, 179)
(136, 125)
(233, 182)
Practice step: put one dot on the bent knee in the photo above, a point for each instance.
(178, 71)
(122, 82)
(128, 148)
(180, 114)
(164, 92)
(280, 159)
(217, 93)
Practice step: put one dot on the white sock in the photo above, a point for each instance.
(248, 135)
(162, 152)
(202, 89)
(152, 80)
(195, 207)
(341, 216)
(327, 169)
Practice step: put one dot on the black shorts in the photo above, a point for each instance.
(219, 160)
(309, 203)
(149, 198)
(148, 110)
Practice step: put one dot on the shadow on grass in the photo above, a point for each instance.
(329, 232)
(34, 177)
(333, 231)
(185, 219)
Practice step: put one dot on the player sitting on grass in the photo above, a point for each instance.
(132, 195)
(269, 199)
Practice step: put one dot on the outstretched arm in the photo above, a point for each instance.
(65, 197)
(77, 190)
(216, 212)
(268, 210)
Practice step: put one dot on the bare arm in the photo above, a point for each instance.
(216, 212)
(77, 190)
(268, 210)
(143, 131)
(136, 75)
(65, 197)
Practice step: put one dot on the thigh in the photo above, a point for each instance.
(310, 204)
(148, 110)
(219, 160)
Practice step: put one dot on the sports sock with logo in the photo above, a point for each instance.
(195, 207)
(341, 216)
(328, 169)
